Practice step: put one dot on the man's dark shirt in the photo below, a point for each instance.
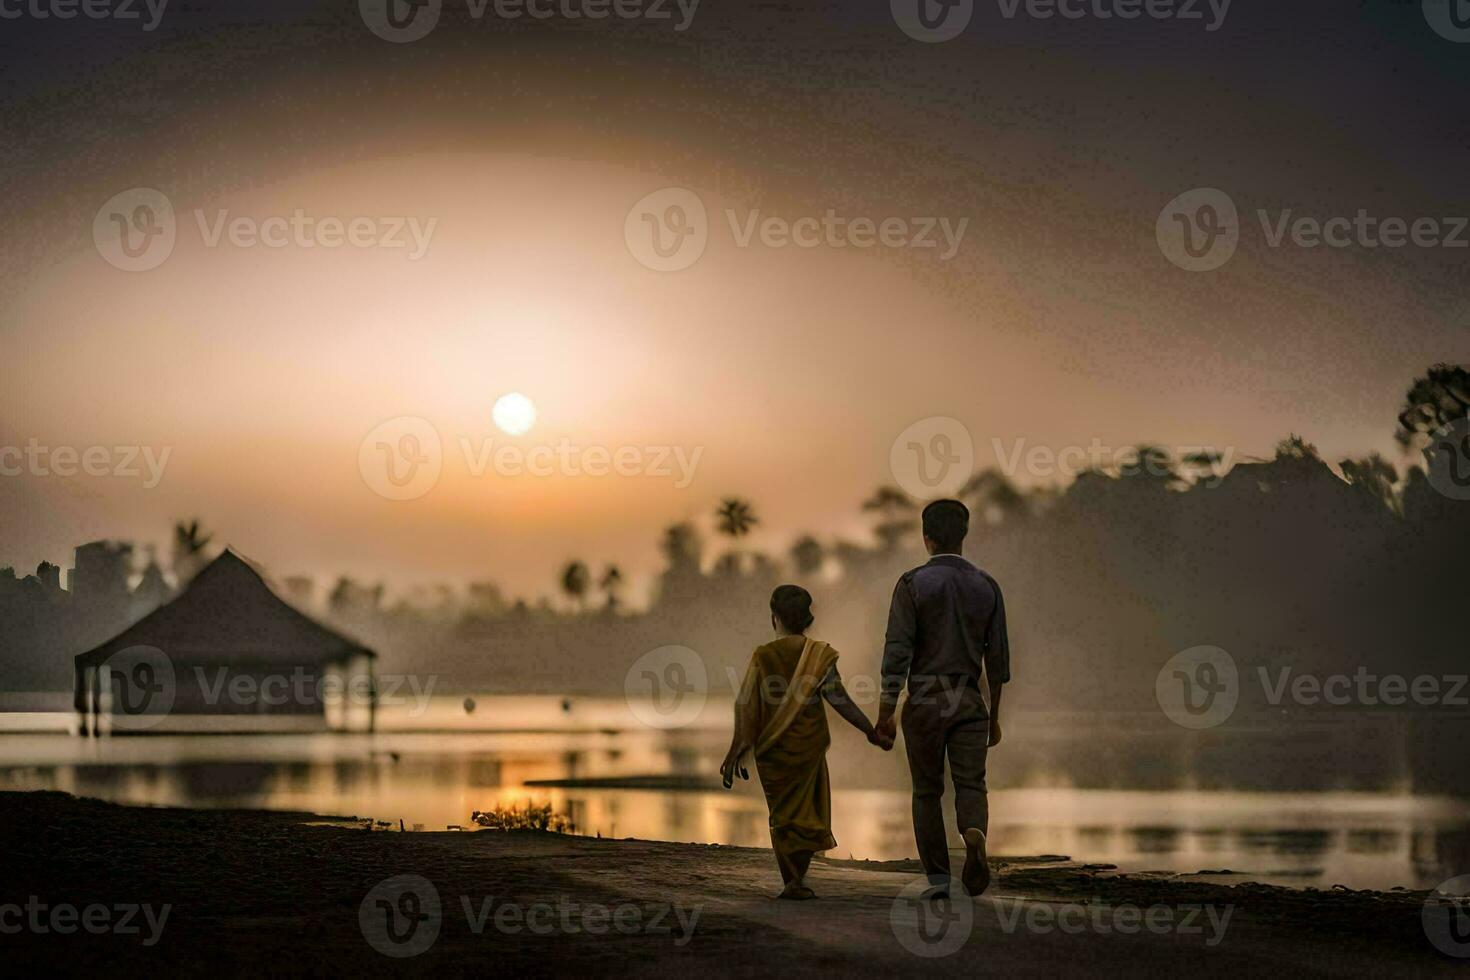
(947, 619)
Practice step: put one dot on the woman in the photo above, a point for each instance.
(779, 716)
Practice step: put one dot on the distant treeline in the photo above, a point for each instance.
(1287, 563)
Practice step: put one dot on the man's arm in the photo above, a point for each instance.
(898, 653)
(997, 660)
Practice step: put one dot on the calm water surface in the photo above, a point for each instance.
(434, 780)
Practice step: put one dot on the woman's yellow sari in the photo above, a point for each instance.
(779, 712)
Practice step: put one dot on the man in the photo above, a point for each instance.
(946, 626)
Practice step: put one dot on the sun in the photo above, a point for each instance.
(514, 414)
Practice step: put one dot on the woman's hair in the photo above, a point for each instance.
(792, 606)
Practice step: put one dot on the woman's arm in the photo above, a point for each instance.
(836, 695)
(731, 766)
(747, 715)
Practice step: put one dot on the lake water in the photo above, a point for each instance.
(578, 756)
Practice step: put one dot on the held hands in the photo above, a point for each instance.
(732, 765)
(885, 732)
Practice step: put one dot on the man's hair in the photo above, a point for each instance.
(946, 522)
(792, 605)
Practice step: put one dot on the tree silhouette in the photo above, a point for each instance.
(1440, 397)
(1201, 464)
(188, 551)
(807, 555)
(895, 510)
(991, 494)
(1151, 461)
(575, 581)
(733, 518)
(611, 584)
(1376, 477)
(680, 545)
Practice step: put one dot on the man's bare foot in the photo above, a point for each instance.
(797, 892)
(976, 875)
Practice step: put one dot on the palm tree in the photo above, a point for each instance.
(734, 518)
(189, 544)
(680, 545)
(575, 580)
(807, 555)
(610, 584)
(895, 510)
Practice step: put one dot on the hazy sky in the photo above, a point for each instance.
(518, 150)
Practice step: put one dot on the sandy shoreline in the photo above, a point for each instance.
(249, 890)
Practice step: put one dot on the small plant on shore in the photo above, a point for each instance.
(530, 817)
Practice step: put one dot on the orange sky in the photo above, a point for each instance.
(789, 371)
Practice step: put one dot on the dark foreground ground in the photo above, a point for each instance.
(84, 885)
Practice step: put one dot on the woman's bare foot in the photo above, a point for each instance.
(797, 892)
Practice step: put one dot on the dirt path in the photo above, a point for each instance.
(247, 891)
